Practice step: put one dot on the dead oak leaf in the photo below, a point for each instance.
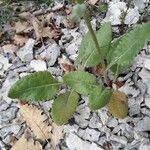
(57, 134)
(49, 32)
(20, 26)
(26, 144)
(41, 31)
(37, 26)
(36, 121)
(20, 40)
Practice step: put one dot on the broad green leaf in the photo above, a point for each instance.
(82, 82)
(37, 86)
(64, 107)
(88, 54)
(118, 105)
(124, 49)
(99, 97)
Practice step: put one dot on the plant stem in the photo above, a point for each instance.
(92, 32)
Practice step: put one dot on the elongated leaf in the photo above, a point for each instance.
(82, 82)
(99, 97)
(64, 107)
(118, 106)
(88, 54)
(37, 86)
(124, 49)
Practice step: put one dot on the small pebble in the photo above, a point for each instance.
(38, 65)
(147, 64)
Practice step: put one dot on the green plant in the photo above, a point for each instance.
(96, 48)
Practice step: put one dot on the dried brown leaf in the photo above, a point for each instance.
(36, 121)
(57, 134)
(20, 40)
(26, 144)
(21, 26)
(1, 33)
(48, 32)
(66, 65)
(38, 27)
(118, 105)
(100, 70)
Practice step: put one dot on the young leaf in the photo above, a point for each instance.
(37, 86)
(82, 82)
(88, 54)
(78, 12)
(64, 107)
(99, 97)
(124, 49)
(118, 106)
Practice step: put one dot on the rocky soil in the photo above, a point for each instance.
(86, 130)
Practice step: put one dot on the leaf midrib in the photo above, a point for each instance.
(93, 84)
(37, 87)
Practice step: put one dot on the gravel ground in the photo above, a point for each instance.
(86, 130)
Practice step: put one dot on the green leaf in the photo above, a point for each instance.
(118, 105)
(88, 54)
(37, 86)
(64, 107)
(80, 1)
(99, 97)
(124, 49)
(78, 12)
(82, 82)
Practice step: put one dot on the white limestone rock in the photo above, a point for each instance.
(26, 52)
(140, 4)
(9, 81)
(147, 64)
(8, 115)
(83, 123)
(38, 65)
(147, 102)
(129, 89)
(94, 146)
(73, 47)
(112, 122)
(4, 64)
(75, 143)
(116, 10)
(145, 75)
(89, 134)
(119, 139)
(55, 71)
(145, 145)
(132, 16)
(144, 124)
(51, 54)
(6, 130)
(102, 113)
(95, 122)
